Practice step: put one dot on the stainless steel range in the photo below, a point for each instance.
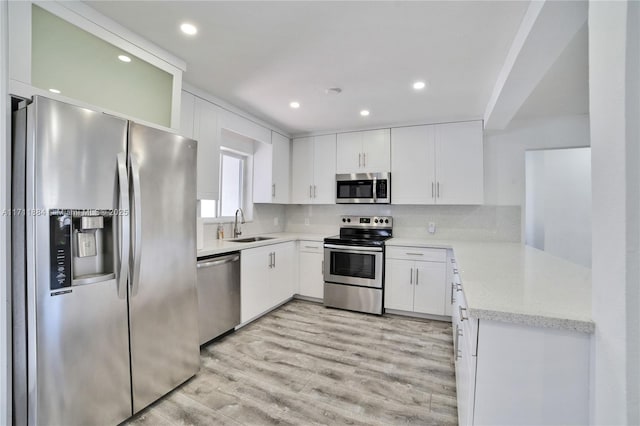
(354, 264)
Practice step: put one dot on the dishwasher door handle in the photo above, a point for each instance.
(216, 262)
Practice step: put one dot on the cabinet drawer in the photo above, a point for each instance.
(417, 253)
(311, 246)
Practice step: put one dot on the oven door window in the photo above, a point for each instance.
(355, 189)
(359, 265)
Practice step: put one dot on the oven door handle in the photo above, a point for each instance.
(353, 248)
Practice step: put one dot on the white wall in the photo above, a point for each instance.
(534, 200)
(5, 293)
(504, 153)
(614, 75)
(558, 202)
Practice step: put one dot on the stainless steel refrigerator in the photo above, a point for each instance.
(104, 263)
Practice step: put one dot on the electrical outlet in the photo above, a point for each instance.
(275, 221)
(432, 227)
(306, 220)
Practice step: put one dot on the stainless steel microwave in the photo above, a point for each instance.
(363, 188)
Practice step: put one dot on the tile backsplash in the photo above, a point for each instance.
(472, 223)
(262, 223)
(486, 223)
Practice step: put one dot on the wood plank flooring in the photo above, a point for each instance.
(305, 364)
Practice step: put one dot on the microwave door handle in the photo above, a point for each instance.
(375, 190)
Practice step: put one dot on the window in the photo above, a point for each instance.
(232, 167)
(233, 187)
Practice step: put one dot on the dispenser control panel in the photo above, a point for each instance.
(60, 250)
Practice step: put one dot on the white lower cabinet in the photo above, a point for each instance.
(267, 278)
(518, 374)
(415, 280)
(311, 269)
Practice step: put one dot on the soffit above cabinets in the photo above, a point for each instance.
(260, 56)
(564, 90)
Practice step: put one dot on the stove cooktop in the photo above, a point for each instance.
(364, 231)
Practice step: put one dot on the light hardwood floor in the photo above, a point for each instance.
(305, 364)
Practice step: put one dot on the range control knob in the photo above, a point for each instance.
(386, 221)
(344, 220)
(348, 219)
(375, 220)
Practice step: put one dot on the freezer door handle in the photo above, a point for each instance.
(123, 224)
(137, 218)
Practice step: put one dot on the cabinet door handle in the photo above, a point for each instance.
(359, 159)
(311, 247)
(274, 259)
(273, 189)
(433, 194)
(415, 254)
(417, 280)
(315, 191)
(270, 261)
(438, 189)
(364, 159)
(310, 191)
(411, 276)
(462, 318)
(452, 293)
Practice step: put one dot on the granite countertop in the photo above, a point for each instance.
(228, 245)
(514, 283)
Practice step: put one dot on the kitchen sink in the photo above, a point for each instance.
(251, 239)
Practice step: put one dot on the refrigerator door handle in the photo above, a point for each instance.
(137, 240)
(123, 224)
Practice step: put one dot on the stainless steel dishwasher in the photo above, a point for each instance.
(218, 295)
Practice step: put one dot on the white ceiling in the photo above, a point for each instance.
(564, 90)
(259, 56)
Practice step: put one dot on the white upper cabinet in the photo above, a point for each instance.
(413, 166)
(206, 131)
(460, 166)
(302, 170)
(324, 169)
(437, 164)
(313, 170)
(349, 153)
(364, 152)
(187, 114)
(271, 170)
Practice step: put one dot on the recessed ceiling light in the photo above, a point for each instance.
(419, 85)
(188, 29)
(124, 58)
(54, 90)
(294, 105)
(364, 112)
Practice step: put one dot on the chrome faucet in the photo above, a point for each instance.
(236, 229)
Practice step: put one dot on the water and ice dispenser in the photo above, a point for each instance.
(81, 247)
